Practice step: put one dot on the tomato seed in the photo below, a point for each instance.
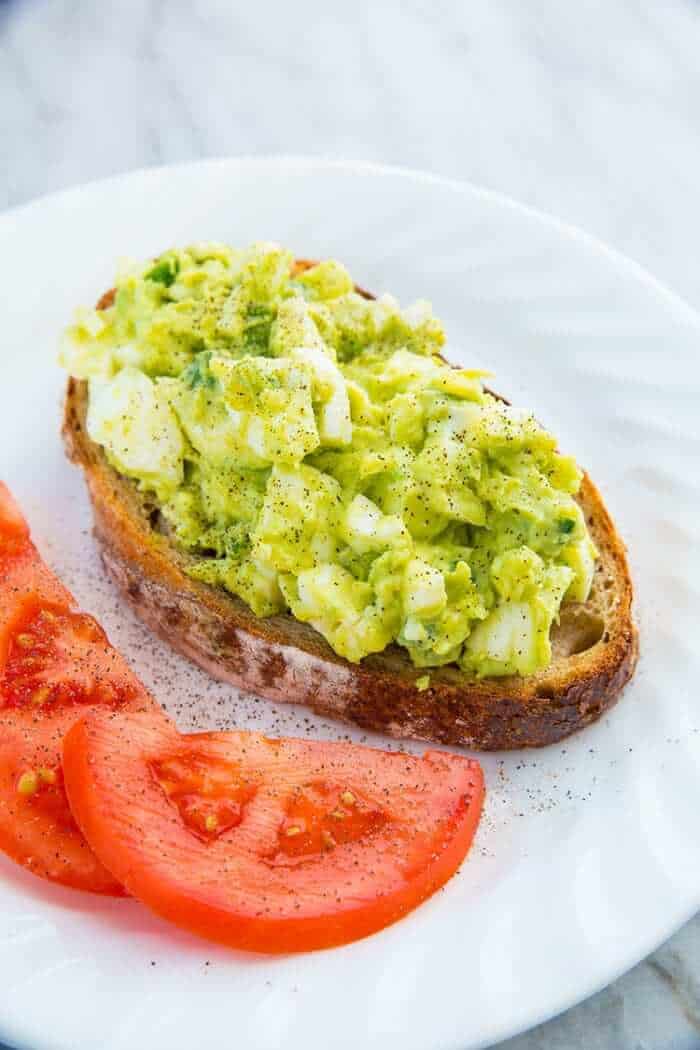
(27, 783)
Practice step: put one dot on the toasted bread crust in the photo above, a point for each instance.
(595, 646)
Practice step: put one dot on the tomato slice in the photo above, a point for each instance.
(55, 664)
(268, 845)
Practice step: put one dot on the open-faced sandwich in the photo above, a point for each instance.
(293, 487)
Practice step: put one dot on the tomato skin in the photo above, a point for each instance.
(55, 664)
(12, 523)
(242, 888)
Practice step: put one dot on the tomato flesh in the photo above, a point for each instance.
(209, 796)
(320, 816)
(268, 845)
(55, 664)
(57, 658)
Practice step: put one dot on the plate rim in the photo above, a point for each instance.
(365, 167)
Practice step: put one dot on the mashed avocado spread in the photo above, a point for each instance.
(316, 452)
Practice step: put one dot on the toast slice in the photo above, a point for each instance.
(595, 644)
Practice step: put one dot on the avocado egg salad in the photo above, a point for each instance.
(313, 450)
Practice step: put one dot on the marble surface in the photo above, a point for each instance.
(588, 111)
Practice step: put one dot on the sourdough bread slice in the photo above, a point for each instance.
(595, 645)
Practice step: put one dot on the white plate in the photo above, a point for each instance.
(588, 854)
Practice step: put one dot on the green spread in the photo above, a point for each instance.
(319, 456)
